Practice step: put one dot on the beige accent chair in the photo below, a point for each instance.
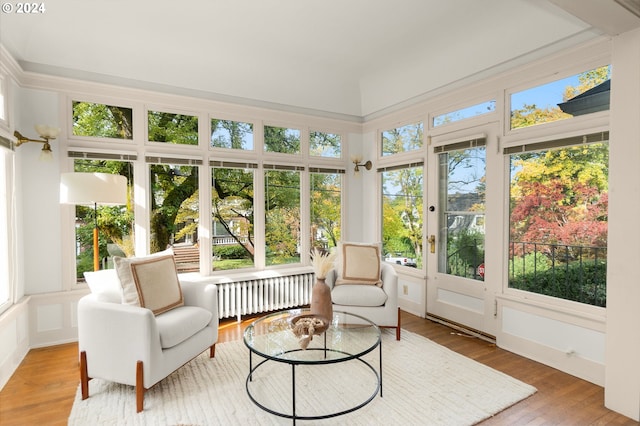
(378, 304)
(141, 345)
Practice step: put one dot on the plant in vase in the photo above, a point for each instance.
(321, 304)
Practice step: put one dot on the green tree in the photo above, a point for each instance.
(230, 134)
(172, 128)
(282, 214)
(232, 200)
(100, 120)
(402, 211)
(171, 186)
(280, 139)
(560, 196)
(325, 209)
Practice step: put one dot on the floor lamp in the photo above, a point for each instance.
(91, 189)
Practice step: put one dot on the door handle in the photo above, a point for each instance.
(432, 243)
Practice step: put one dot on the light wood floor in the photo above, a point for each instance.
(42, 390)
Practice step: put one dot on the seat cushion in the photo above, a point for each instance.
(178, 324)
(358, 295)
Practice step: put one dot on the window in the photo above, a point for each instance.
(3, 103)
(402, 215)
(464, 113)
(239, 173)
(231, 134)
(323, 144)
(282, 140)
(175, 211)
(579, 94)
(172, 128)
(115, 223)
(100, 120)
(7, 251)
(461, 175)
(558, 218)
(326, 202)
(402, 139)
(232, 209)
(282, 214)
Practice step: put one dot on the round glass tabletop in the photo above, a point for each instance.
(348, 336)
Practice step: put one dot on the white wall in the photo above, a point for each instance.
(14, 339)
(622, 385)
(38, 194)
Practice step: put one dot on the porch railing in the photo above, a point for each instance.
(568, 272)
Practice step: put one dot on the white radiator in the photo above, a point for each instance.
(263, 295)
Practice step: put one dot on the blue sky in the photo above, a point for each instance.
(547, 95)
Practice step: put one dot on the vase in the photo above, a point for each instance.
(321, 304)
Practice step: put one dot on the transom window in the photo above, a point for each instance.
(282, 140)
(464, 113)
(402, 139)
(101, 120)
(179, 129)
(569, 97)
(322, 144)
(231, 134)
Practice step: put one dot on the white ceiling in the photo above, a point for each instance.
(353, 57)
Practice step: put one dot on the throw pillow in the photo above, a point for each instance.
(130, 294)
(105, 285)
(358, 263)
(156, 281)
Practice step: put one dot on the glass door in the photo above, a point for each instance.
(457, 236)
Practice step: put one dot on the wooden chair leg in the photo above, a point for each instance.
(212, 351)
(398, 327)
(139, 387)
(84, 375)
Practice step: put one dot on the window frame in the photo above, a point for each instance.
(550, 127)
(534, 135)
(203, 152)
(168, 110)
(9, 247)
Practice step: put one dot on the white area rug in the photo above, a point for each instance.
(423, 384)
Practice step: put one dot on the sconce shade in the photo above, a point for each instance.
(93, 188)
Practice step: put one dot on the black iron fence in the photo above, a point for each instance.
(577, 273)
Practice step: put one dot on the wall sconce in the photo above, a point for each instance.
(46, 133)
(357, 160)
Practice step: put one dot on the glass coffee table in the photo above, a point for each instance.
(348, 339)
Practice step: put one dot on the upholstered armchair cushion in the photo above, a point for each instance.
(177, 325)
(358, 295)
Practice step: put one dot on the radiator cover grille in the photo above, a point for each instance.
(263, 295)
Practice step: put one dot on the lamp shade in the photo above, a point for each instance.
(93, 188)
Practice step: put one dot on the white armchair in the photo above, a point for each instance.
(378, 304)
(131, 345)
